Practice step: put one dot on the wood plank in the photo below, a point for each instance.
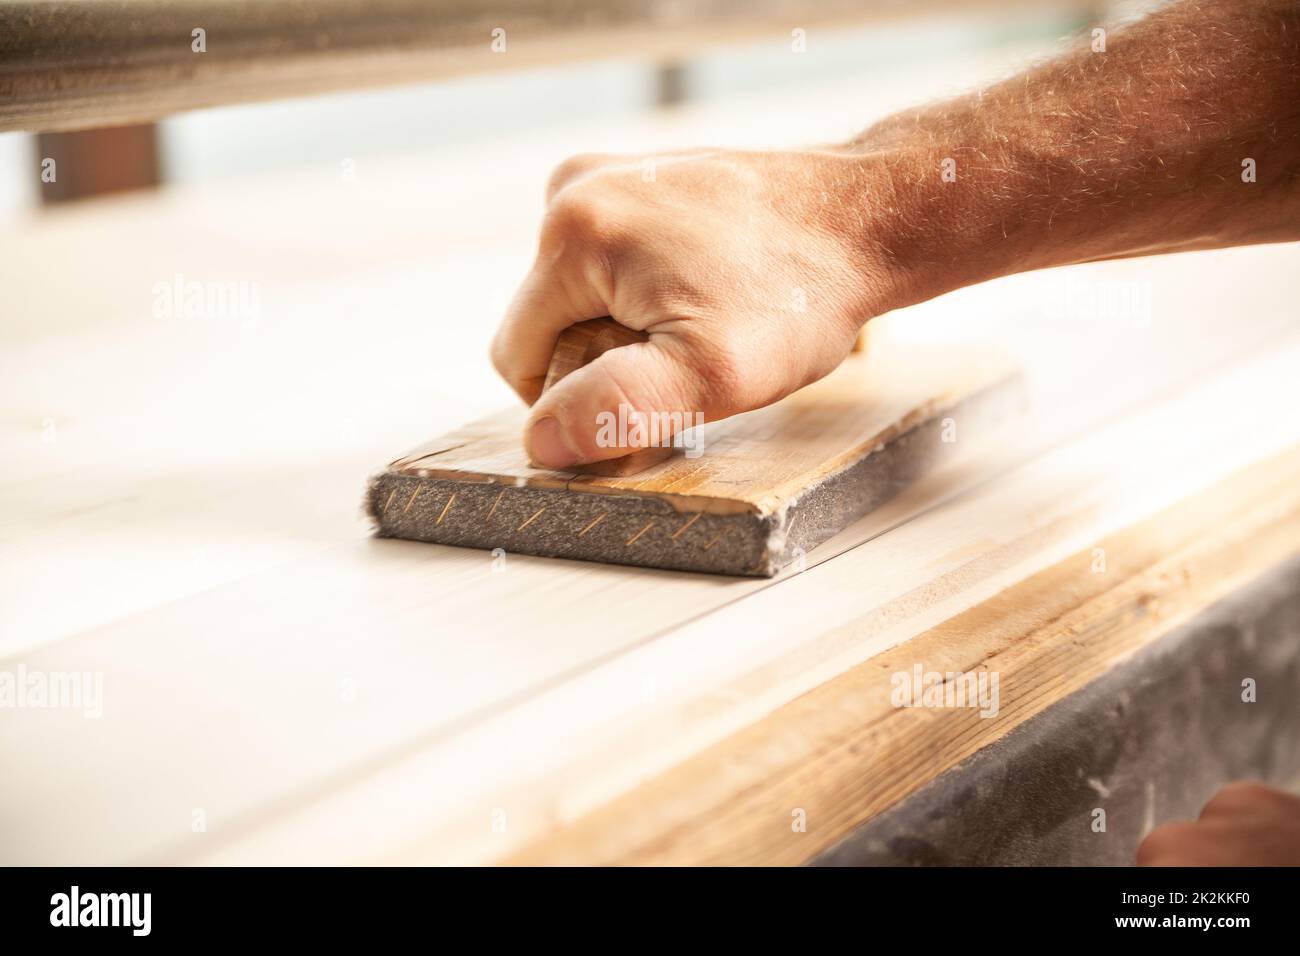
(543, 763)
(757, 462)
(240, 685)
(843, 753)
(1150, 740)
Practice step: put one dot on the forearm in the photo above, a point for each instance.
(752, 271)
(1134, 150)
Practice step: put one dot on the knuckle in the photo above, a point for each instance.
(499, 356)
(573, 218)
(572, 169)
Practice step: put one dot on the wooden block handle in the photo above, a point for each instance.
(583, 343)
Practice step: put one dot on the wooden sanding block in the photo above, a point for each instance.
(583, 343)
(749, 495)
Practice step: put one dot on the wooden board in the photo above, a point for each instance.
(178, 505)
(756, 492)
(543, 764)
(1046, 637)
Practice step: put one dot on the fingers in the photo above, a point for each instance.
(569, 283)
(522, 349)
(630, 397)
(1174, 844)
(689, 250)
(572, 279)
(1244, 824)
(1243, 797)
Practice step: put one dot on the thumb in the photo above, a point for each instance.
(630, 397)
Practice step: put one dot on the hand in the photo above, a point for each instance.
(751, 271)
(1244, 824)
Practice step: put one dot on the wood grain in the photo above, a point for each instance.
(753, 463)
(545, 765)
(1045, 637)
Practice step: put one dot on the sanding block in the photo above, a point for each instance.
(766, 487)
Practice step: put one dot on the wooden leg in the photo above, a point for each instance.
(97, 161)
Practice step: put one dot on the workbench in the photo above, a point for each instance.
(182, 515)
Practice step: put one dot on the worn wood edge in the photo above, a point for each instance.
(931, 410)
(993, 373)
(842, 754)
(1150, 740)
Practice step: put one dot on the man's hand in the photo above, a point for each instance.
(753, 271)
(749, 270)
(1244, 824)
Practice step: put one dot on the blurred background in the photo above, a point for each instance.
(588, 71)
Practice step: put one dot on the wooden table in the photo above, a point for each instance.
(181, 514)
